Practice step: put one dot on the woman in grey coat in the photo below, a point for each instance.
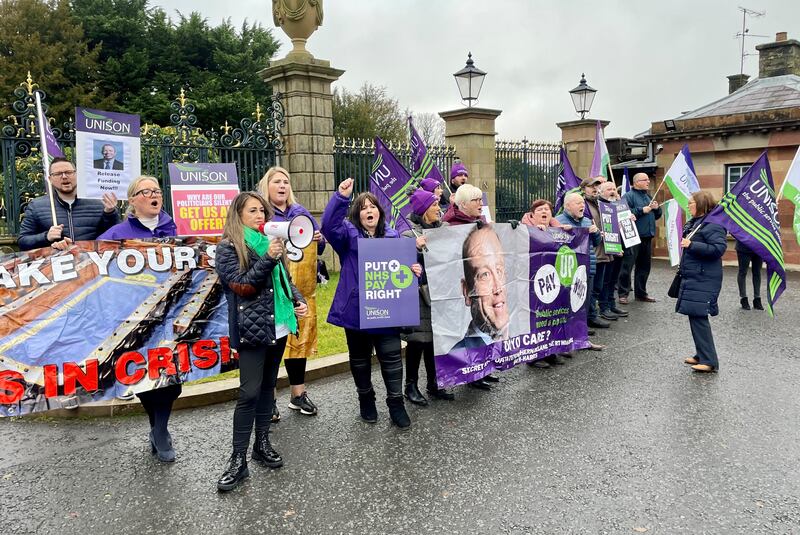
(419, 340)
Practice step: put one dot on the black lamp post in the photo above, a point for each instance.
(469, 81)
(582, 97)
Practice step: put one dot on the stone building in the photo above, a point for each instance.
(726, 136)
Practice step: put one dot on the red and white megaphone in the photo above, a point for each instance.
(298, 233)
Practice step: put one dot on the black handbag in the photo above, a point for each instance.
(675, 287)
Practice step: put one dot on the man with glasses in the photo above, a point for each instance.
(78, 219)
(109, 159)
(646, 211)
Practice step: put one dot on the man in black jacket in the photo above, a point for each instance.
(78, 219)
(646, 211)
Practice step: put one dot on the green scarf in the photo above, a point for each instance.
(284, 305)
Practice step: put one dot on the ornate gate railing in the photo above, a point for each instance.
(524, 171)
(253, 144)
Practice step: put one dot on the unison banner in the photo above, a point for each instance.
(108, 319)
(107, 152)
(501, 296)
(201, 194)
(388, 295)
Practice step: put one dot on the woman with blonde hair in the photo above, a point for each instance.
(276, 188)
(147, 219)
(263, 309)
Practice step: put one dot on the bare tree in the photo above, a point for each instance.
(431, 127)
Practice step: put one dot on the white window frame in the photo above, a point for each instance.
(736, 170)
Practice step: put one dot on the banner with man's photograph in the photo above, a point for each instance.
(107, 152)
(108, 319)
(501, 296)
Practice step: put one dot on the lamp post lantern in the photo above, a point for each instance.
(582, 97)
(469, 81)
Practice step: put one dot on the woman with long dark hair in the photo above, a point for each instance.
(701, 278)
(343, 228)
(263, 307)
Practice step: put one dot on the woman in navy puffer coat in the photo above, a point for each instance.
(701, 278)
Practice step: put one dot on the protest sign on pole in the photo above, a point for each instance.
(107, 152)
(627, 227)
(388, 294)
(201, 194)
(501, 296)
(673, 221)
(611, 235)
(109, 319)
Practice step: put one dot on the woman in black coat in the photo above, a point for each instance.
(263, 307)
(701, 278)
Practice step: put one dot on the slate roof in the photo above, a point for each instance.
(759, 94)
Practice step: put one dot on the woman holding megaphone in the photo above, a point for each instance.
(276, 187)
(343, 225)
(263, 309)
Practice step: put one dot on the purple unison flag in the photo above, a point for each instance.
(750, 214)
(568, 181)
(388, 294)
(423, 164)
(390, 182)
(48, 140)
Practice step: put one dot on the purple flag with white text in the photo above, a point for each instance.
(390, 182)
(750, 214)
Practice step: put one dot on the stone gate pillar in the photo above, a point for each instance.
(305, 87)
(472, 132)
(578, 138)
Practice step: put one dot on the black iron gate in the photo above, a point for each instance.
(525, 171)
(253, 145)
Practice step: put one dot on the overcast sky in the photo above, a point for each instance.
(649, 61)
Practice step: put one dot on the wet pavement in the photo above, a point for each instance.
(623, 441)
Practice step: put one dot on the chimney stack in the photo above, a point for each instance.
(779, 58)
(735, 81)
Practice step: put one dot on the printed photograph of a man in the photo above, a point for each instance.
(484, 289)
(108, 159)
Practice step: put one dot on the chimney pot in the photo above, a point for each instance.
(780, 36)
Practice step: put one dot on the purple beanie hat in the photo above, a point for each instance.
(421, 200)
(429, 184)
(457, 168)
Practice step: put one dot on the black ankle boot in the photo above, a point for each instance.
(264, 453)
(757, 303)
(398, 414)
(414, 395)
(745, 304)
(369, 412)
(234, 473)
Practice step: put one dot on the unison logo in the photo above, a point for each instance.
(98, 121)
(196, 173)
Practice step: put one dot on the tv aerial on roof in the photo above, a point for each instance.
(745, 33)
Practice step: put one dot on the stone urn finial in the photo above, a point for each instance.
(298, 19)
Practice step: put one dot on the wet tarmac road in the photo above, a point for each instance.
(623, 441)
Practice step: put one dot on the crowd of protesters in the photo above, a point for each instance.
(266, 309)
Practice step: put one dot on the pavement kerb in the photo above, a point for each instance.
(202, 394)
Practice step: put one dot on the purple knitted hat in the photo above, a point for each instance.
(457, 169)
(421, 200)
(429, 184)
